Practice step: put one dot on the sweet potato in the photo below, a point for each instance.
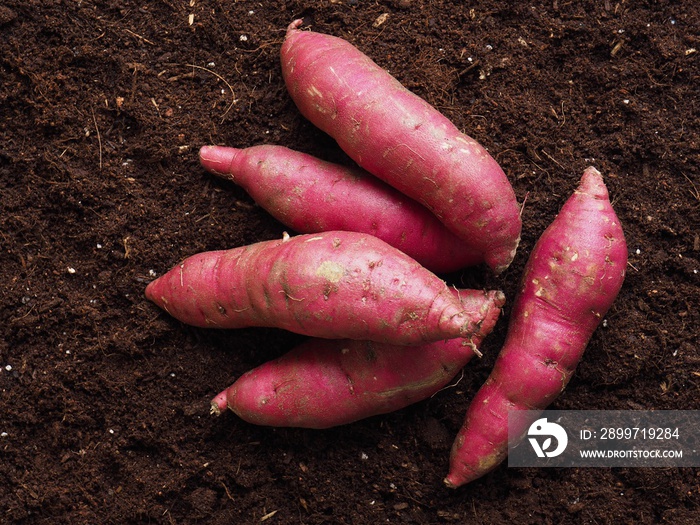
(324, 383)
(333, 285)
(399, 137)
(310, 195)
(572, 277)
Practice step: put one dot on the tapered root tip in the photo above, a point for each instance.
(499, 298)
(294, 25)
(148, 292)
(219, 404)
(592, 184)
(449, 484)
(218, 159)
(499, 260)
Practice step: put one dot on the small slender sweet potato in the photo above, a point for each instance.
(331, 284)
(400, 138)
(571, 279)
(325, 383)
(310, 195)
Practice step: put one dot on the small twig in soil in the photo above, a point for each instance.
(99, 138)
(227, 492)
(468, 68)
(694, 192)
(552, 158)
(139, 37)
(522, 206)
(450, 386)
(262, 46)
(233, 93)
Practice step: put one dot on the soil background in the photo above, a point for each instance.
(104, 399)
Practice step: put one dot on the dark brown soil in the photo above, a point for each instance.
(104, 399)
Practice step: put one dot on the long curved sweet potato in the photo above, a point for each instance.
(403, 140)
(326, 383)
(310, 195)
(574, 273)
(331, 284)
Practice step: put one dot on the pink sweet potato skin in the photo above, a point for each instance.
(332, 285)
(573, 275)
(403, 140)
(325, 383)
(310, 195)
